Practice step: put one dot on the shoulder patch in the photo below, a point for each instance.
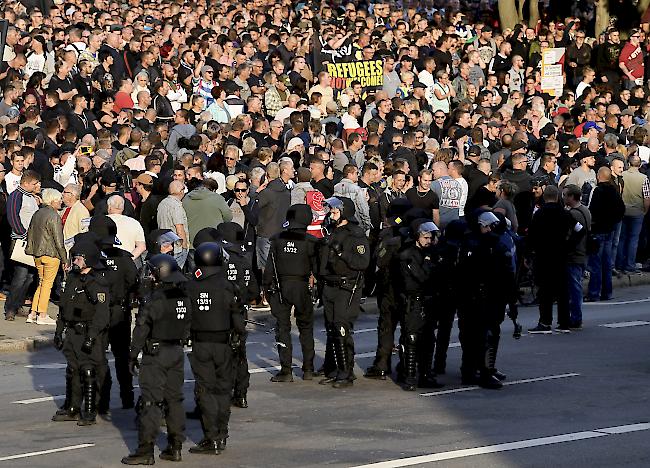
(101, 297)
(361, 249)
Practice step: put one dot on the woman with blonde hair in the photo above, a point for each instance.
(45, 244)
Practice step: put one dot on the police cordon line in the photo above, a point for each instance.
(420, 275)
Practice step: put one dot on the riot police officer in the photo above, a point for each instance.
(416, 288)
(389, 244)
(292, 261)
(82, 322)
(447, 290)
(344, 258)
(122, 277)
(239, 270)
(215, 313)
(162, 326)
(480, 302)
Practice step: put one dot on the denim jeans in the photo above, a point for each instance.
(615, 239)
(20, 283)
(600, 268)
(575, 272)
(628, 242)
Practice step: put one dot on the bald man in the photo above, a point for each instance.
(171, 215)
(607, 210)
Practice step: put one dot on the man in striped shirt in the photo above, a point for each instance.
(21, 206)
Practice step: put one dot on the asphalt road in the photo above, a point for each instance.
(578, 400)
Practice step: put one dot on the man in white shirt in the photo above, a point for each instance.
(455, 169)
(426, 77)
(129, 230)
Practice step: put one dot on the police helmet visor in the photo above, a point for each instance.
(427, 227)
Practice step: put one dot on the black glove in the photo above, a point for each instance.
(134, 367)
(336, 247)
(58, 341)
(87, 346)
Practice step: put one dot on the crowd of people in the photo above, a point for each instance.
(151, 142)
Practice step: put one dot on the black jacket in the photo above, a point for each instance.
(606, 207)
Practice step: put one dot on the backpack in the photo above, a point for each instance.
(315, 199)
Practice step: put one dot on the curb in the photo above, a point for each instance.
(35, 343)
(31, 343)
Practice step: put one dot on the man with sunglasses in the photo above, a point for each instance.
(631, 61)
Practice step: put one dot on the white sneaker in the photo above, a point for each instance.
(31, 318)
(45, 321)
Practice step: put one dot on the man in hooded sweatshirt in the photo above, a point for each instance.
(205, 208)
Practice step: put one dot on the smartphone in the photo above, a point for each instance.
(85, 150)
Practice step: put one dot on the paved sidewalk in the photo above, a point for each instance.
(19, 336)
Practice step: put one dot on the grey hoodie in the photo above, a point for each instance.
(299, 192)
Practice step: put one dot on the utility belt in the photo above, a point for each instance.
(210, 337)
(152, 347)
(342, 282)
(80, 328)
(303, 279)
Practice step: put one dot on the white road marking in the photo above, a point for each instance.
(39, 400)
(634, 323)
(527, 443)
(514, 382)
(608, 303)
(46, 452)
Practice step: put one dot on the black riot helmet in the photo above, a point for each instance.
(208, 254)
(299, 216)
(344, 205)
(231, 232)
(164, 269)
(89, 251)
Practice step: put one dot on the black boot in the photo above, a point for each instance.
(410, 363)
(374, 372)
(344, 376)
(221, 444)
(142, 456)
(492, 348)
(487, 379)
(66, 414)
(89, 414)
(205, 447)
(427, 378)
(285, 375)
(240, 401)
(172, 453)
(330, 365)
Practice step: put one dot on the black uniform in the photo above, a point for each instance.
(292, 260)
(122, 276)
(447, 279)
(389, 245)
(84, 317)
(343, 261)
(162, 326)
(482, 304)
(416, 266)
(215, 313)
(239, 270)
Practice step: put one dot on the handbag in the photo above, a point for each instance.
(18, 253)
